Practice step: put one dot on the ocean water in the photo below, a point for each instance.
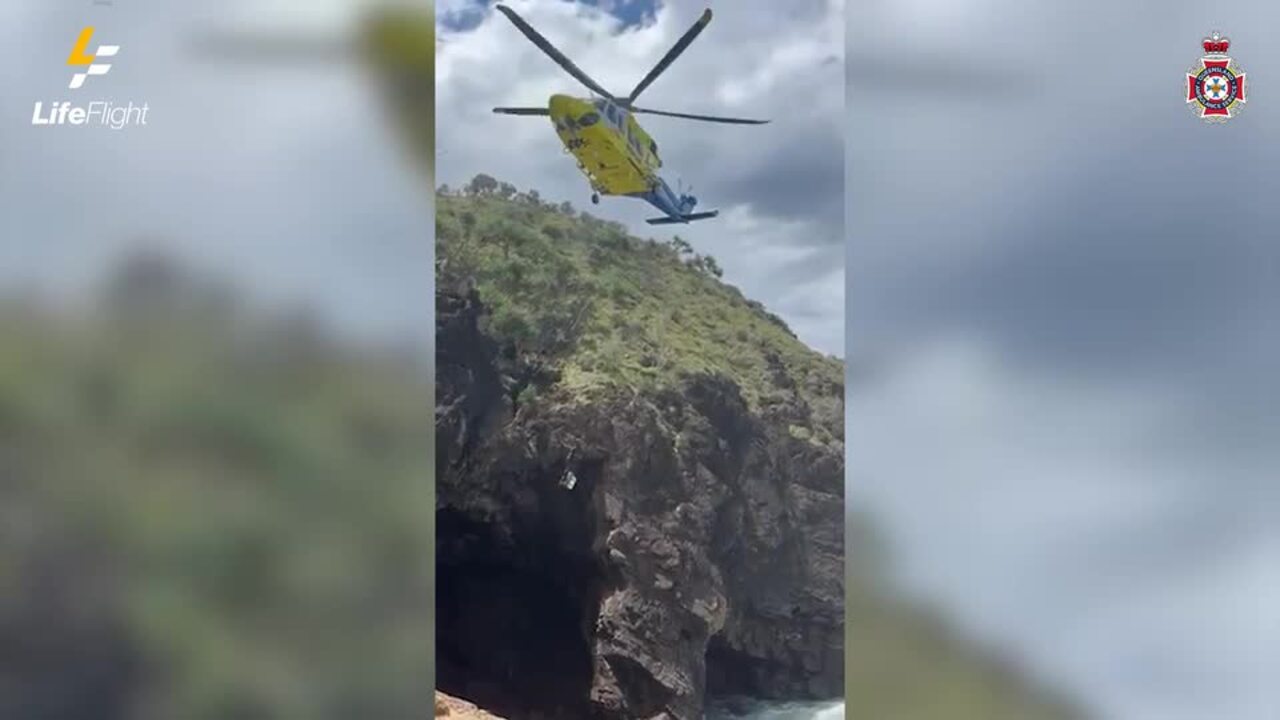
(747, 710)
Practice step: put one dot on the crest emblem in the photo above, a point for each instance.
(1215, 85)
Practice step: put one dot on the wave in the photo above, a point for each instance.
(750, 710)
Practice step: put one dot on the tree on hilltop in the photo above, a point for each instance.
(482, 184)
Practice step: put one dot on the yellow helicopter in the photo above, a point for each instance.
(613, 151)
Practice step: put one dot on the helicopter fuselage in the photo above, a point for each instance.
(613, 151)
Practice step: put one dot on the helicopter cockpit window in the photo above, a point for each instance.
(588, 120)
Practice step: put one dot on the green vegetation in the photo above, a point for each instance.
(209, 513)
(613, 312)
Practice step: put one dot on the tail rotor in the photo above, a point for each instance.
(687, 199)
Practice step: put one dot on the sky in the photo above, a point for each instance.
(1066, 285)
(779, 187)
(286, 180)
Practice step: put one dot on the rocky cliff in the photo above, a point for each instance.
(639, 475)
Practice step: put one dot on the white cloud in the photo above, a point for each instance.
(444, 7)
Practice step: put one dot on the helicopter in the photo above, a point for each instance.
(617, 156)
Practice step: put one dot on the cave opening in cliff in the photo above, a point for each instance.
(516, 601)
(730, 674)
(734, 677)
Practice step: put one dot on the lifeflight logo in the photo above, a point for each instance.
(102, 113)
(80, 58)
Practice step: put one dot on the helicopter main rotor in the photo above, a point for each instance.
(626, 103)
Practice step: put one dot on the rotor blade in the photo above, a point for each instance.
(707, 118)
(672, 54)
(552, 52)
(522, 111)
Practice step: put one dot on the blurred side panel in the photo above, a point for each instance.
(216, 363)
(1064, 438)
(909, 656)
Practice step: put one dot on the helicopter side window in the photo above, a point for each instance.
(588, 120)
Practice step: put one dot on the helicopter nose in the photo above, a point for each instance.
(567, 106)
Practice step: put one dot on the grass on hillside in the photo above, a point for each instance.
(617, 312)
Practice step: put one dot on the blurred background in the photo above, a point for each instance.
(1062, 337)
(215, 364)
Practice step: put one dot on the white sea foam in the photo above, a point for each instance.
(779, 711)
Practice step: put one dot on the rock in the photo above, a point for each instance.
(455, 709)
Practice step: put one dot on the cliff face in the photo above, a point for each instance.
(630, 518)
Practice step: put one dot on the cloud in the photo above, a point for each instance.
(783, 182)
